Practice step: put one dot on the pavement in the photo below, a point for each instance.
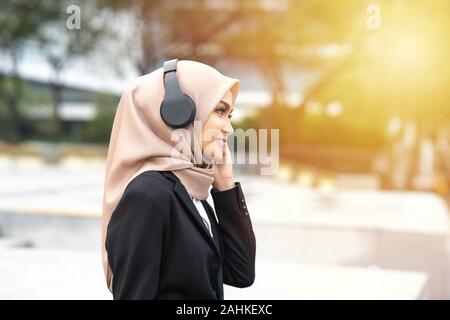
(38, 274)
(74, 190)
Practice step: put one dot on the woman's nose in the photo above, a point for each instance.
(228, 128)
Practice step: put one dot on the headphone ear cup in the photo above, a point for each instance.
(178, 112)
(177, 109)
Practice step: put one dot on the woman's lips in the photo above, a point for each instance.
(221, 140)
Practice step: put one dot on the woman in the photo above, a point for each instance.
(160, 238)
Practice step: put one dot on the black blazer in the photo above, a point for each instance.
(159, 247)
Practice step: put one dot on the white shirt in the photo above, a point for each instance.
(198, 204)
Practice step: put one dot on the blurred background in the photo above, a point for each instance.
(358, 207)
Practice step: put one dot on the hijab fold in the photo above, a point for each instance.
(141, 141)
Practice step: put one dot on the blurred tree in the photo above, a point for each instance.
(399, 71)
(162, 29)
(81, 29)
(272, 36)
(99, 129)
(20, 20)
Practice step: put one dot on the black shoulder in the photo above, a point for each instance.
(147, 192)
(152, 184)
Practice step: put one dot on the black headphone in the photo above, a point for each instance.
(177, 109)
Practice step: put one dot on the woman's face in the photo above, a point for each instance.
(216, 131)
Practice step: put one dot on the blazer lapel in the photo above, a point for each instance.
(214, 222)
(184, 198)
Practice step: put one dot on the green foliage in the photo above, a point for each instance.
(99, 129)
(23, 20)
(352, 129)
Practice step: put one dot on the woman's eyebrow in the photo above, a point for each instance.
(227, 106)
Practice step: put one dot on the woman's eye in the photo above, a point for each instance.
(220, 111)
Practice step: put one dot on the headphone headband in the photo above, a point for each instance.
(170, 65)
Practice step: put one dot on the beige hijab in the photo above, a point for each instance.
(141, 141)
